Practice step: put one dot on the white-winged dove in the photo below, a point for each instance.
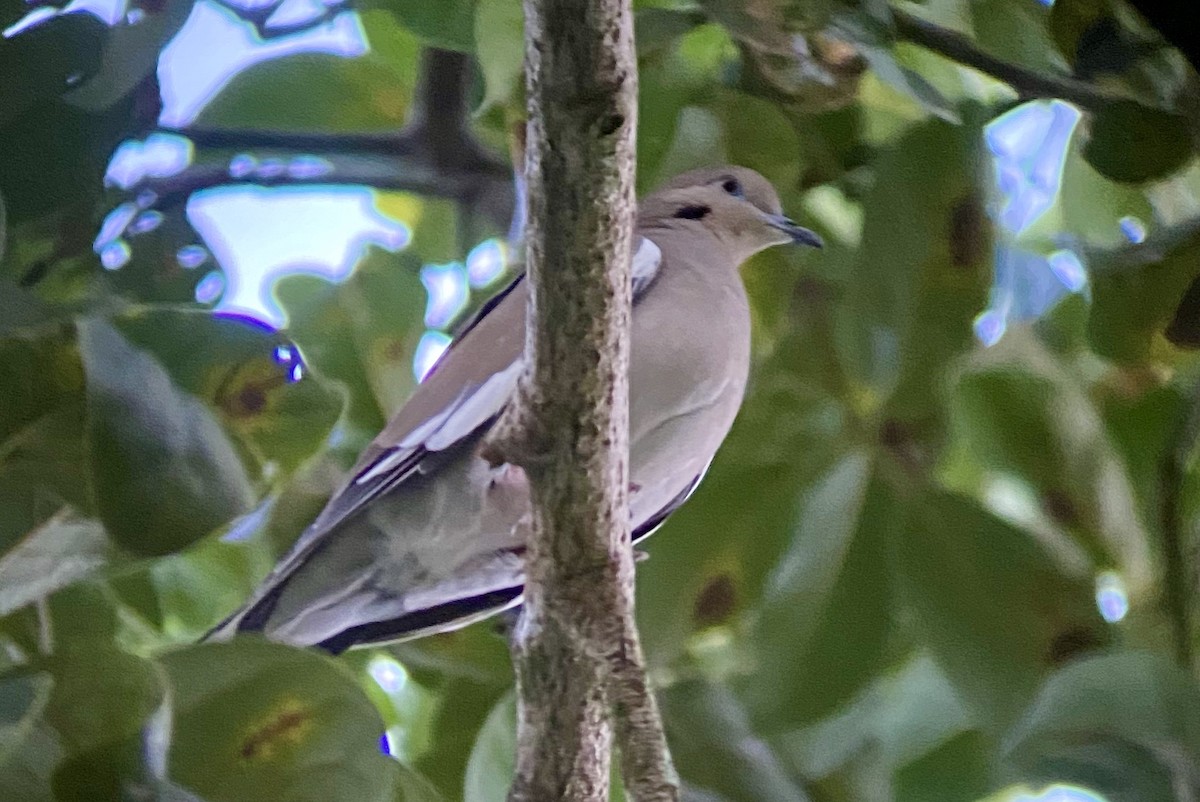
(425, 535)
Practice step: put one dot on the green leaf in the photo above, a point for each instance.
(494, 756)
(1071, 19)
(341, 96)
(1019, 413)
(1133, 143)
(826, 612)
(1125, 724)
(164, 472)
(464, 708)
(42, 545)
(991, 604)
(759, 136)
(237, 370)
(908, 82)
(29, 747)
(23, 697)
(103, 704)
(257, 720)
(905, 715)
(58, 552)
(715, 748)
(923, 271)
(41, 61)
(1135, 295)
(130, 53)
(956, 770)
(1017, 32)
(449, 25)
(500, 26)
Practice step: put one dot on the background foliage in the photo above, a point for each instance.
(948, 552)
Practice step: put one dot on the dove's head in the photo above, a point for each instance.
(734, 204)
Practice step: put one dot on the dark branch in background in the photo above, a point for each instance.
(434, 154)
(1027, 83)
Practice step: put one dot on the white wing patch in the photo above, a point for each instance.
(647, 259)
(470, 410)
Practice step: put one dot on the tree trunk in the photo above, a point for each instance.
(575, 646)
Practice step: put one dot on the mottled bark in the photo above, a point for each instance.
(575, 645)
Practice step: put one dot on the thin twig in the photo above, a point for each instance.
(1029, 83)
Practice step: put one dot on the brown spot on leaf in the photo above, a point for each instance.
(968, 232)
(716, 601)
(246, 390)
(1061, 508)
(285, 726)
(1072, 642)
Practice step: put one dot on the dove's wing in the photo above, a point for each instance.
(465, 392)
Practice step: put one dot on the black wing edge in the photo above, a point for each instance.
(396, 628)
(393, 629)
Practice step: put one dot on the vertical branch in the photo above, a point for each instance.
(575, 647)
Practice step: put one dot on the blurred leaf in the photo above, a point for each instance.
(257, 720)
(102, 704)
(341, 95)
(1070, 20)
(130, 53)
(906, 714)
(29, 748)
(1135, 295)
(1126, 724)
(923, 271)
(1089, 207)
(970, 580)
(956, 770)
(715, 748)
(23, 697)
(908, 82)
(494, 756)
(1016, 31)
(55, 554)
(449, 25)
(164, 472)
(1131, 143)
(42, 61)
(1019, 413)
(759, 136)
(500, 27)
(41, 463)
(826, 612)
(464, 709)
(412, 787)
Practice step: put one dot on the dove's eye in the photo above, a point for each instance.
(733, 187)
